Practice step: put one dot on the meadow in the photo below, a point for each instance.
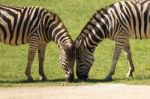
(75, 14)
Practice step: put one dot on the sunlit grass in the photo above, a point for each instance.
(75, 14)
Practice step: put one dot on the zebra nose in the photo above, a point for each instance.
(82, 77)
(70, 77)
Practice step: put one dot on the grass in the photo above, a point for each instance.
(75, 14)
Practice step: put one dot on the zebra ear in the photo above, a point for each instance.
(78, 43)
(71, 46)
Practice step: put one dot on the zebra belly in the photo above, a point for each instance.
(142, 36)
(139, 35)
(13, 44)
(13, 41)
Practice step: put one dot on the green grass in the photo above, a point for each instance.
(75, 14)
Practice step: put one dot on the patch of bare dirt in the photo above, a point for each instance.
(100, 91)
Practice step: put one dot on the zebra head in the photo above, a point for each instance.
(67, 60)
(84, 59)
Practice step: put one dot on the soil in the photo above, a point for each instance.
(99, 91)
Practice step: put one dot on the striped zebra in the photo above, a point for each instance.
(119, 22)
(37, 26)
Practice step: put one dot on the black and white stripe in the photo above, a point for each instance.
(138, 1)
(119, 21)
(36, 26)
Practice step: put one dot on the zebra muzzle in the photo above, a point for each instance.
(70, 77)
(82, 77)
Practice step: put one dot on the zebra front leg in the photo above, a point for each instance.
(41, 57)
(114, 62)
(119, 45)
(129, 57)
(33, 45)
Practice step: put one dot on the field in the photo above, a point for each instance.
(75, 14)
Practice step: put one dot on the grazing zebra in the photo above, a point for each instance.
(119, 22)
(37, 26)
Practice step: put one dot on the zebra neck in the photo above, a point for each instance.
(105, 23)
(60, 36)
(93, 33)
(99, 27)
(55, 29)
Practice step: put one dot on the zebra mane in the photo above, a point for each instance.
(68, 35)
(62, 22)
(100, 12)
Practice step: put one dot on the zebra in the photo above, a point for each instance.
(120, 22)
(37, 26)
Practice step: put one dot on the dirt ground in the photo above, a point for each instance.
(100, 91)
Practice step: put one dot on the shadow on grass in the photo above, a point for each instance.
(114, 80)
(52, 81)
(99, 80)
(59, 80)
(35, 81)
(75, 81)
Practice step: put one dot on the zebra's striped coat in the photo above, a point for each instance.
(119, 21)
(36, 26)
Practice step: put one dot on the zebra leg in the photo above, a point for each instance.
(129, 57)
(41, 57)
(33, 45)
(119, 45)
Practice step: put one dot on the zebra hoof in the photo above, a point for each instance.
(29, 79)
(43, 79)
(129, 77)
(108, 78)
